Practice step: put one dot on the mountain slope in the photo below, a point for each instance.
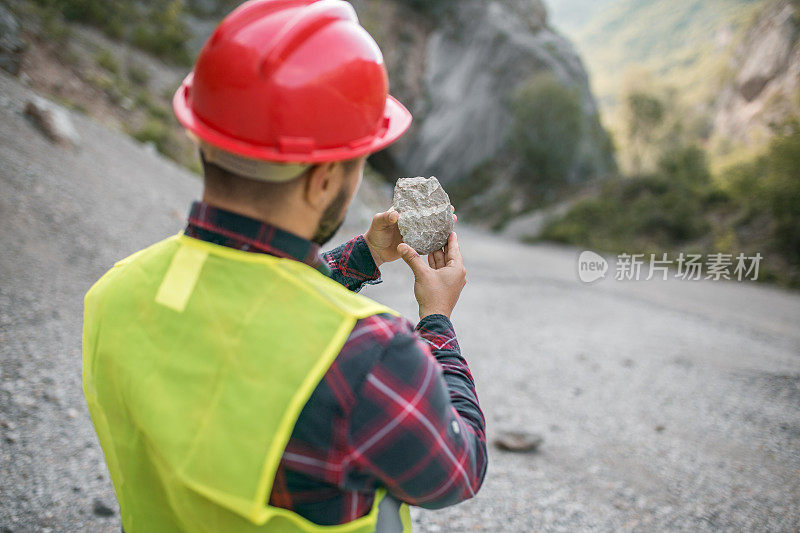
(683, 44)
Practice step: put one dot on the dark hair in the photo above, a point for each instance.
(227, 184)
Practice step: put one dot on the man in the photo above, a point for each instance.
(236, 380)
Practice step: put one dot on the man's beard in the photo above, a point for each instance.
(332, 219)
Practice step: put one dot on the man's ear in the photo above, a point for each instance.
(321, 184)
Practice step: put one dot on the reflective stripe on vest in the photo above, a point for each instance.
(198, 359)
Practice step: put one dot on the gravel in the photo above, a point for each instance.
(664, 406)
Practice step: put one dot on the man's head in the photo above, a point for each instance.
(279, 90)
(312, 205)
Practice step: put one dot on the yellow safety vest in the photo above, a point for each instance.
(198, 359)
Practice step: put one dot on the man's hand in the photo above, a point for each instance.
(438, 284)
(383, 236)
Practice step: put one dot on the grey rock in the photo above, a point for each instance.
(52, 121)
(518, 441)
(100, 508)
(426, 216)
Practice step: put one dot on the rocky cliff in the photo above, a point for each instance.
(458, 67)
(763, 86)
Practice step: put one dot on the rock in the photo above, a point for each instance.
(768, 55)
(12, 47)
(99, 508)
(53, 121)
(532, 12)
(426, 216)
(518, 441)
(150, 147)
(762, 89)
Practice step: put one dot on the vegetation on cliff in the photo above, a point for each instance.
(677, 205)
(155, 26)
(686, 183)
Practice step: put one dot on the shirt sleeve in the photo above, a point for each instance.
(352, 264)
(416, 425)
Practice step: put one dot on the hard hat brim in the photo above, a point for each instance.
(396, 122)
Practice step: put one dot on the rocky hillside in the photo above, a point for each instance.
(681, 44)
(495, 92)
(763, 86)
(734, 63)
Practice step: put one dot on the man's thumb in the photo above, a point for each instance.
(411, 257)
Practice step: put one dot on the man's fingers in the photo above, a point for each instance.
(431, 262)
(412, 259)
(386, 219)
(438, 259)
(453, 251)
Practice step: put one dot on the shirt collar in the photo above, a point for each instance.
(219, 226)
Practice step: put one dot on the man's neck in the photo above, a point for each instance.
(275, 217)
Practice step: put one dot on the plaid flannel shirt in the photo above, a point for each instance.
(397, 408)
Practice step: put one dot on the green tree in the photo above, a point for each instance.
(644, 115)
(547, 128)
(781, 189)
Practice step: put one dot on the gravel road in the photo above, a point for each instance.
(665, 406)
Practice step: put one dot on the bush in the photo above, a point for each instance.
(779, 191)
(163, 34)
(106, 16)
(153, 109)
(657, 211)
(687, 166)
(678, 207)
(138, 75)
(547, 128)
(155, 131)
(157, 25)
(107, 61)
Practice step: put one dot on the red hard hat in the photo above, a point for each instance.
(291, 81)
